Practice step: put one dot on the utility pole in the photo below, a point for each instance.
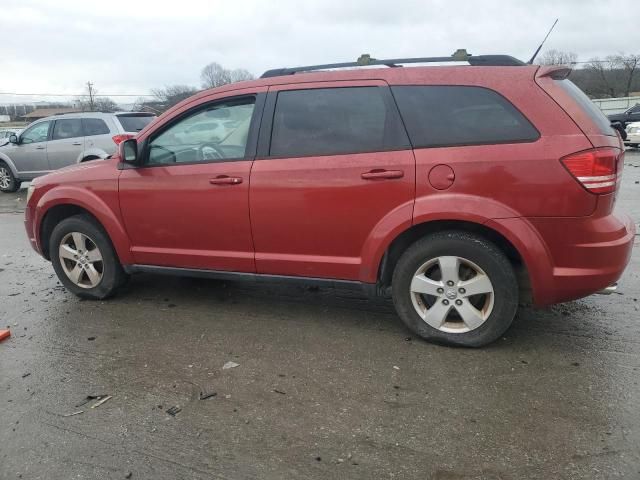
(91, 93)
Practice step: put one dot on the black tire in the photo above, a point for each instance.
(113, 276)
(475, 249)
(14, 183)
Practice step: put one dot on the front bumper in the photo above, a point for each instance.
(29, 227)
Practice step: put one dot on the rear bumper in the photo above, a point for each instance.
(587, 255)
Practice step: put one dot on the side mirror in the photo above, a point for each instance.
(13, 138)
(129, 151)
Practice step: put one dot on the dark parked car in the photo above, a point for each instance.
(628, 116)
(457, 190)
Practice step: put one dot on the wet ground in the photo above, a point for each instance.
(329, 385)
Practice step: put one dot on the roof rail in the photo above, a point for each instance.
(459, 55)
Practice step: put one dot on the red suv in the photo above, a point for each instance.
(459, 190)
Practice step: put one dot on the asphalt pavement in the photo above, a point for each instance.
(327, 385)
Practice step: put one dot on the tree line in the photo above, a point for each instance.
(609, 77)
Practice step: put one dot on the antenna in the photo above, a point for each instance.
(545, 39)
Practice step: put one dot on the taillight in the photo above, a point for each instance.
(597, 169)
(118, 139)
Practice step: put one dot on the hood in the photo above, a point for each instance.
(93, 170)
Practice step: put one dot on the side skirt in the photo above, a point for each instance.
(369, 289)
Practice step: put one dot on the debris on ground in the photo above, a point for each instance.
(229, 365)
(25, 375)
(279, 391)
(173, 411)
(4, 334)
(395, 367)
(205, 395)
(90, 398)
(128, 475)
(100, 402)
(91, 339)
(74, 413)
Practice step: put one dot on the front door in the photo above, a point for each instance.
(188, 204)
(66, 144)
(30, 154)
(336, 163)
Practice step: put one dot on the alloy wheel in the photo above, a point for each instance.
(5, 178)
(81, 260)
(452, 294)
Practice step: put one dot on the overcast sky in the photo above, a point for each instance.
(135, 45)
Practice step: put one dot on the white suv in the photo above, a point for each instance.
(62, 140)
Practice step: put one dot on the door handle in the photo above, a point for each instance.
(40, 148)
(382, 174)
(225, 180)
(76, 143)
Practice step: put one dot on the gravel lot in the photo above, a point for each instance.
(329, 384)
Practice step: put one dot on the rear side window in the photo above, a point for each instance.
(134, 123)
(437, 116)
(591, 109)
(71, 128)
(94, 126)
(330, 121)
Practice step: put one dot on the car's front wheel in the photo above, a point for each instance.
(84, 259)
(8, 182)
(455, 288)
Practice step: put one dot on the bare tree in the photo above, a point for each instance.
(171, 95)
(558, 57)
(629, 65)
(215, 75)
(240, 75)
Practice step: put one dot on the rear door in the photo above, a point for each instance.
(334, 161)
(98, 136)
(66, 144)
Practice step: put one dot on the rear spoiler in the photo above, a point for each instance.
(556, 72)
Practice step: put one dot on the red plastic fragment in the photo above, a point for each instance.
(4, 334)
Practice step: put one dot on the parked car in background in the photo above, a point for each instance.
(633, 135)
(62, 140)
(630, 115)
(390, 179)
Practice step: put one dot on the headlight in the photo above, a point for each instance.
(30, 190)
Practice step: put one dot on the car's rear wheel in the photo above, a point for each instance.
(455, 288)
(8, 182)
(84, 259)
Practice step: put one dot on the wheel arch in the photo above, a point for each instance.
(401, 242)
(4, 158)
(56, 205)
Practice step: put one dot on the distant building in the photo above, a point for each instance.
(5, 118)
(39, 113)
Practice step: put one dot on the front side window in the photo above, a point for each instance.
(71, 128)
(218, 132)
(460, 115)
(94, 126)
(37, 133)
(330, 121)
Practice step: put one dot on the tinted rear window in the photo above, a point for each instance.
(438, 116)
(94, 126)
(591, 109)
(330, 121)
(135, 123)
